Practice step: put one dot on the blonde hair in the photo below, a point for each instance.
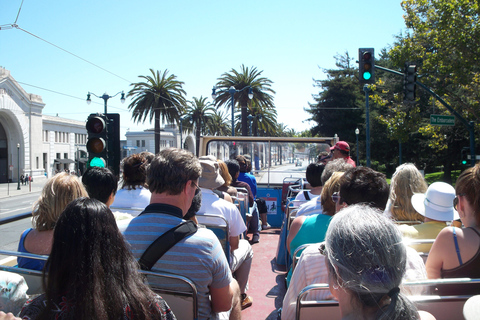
(58, 191)
(406, 181)
(224, 173)
(332, 185)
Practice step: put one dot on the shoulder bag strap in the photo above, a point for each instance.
(163, 243)
(305, 193)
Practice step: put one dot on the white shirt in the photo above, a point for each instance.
(212, 204)
(138, 198)
(313, 206)
(311, 269)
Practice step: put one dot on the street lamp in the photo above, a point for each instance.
(18, 166)
(105, 98)
(232, 92)
(181, 129)
(357, 132)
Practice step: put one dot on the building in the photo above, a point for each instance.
(39, 145)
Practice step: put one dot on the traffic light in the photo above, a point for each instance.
(366, 60)
(465, 151)
(96, 139)
(113, 142)
(409, 82)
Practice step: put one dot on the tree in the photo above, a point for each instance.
(161, 97)
(200, 112)
(218, 124)
(261, 87)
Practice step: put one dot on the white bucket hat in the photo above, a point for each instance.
(211, 178)
(437, 202)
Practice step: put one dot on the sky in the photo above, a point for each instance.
(62, 50)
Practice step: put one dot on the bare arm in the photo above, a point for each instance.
(443, 243)
(294, 228)
(222, 298)
(234, 243)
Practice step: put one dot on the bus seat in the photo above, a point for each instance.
(219, 226)
(33, 278)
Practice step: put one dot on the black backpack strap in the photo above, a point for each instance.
(163, 243)
(305, 193)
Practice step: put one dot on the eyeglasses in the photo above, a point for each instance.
(335, 197)
(197, 190)
(322, 249)
(455, 200)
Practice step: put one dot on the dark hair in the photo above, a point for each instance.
(468, 183)
(242, 162)
(233, 168)
(364, 185)
(91, 265)
(149, 156)
(171, 169)
(314, 174)
(100, 183)
(195, 206)
(134, 171)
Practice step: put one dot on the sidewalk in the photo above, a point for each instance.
(10, 189)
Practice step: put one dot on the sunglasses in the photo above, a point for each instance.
(197, 190)
(455, 200)
(335, 197)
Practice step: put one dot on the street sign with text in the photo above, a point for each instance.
(441, 120)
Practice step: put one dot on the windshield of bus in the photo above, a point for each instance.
(271, 161)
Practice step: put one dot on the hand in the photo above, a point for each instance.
(7, 316)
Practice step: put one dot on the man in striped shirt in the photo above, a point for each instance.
(172, 178)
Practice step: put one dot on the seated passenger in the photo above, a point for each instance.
(242, 253)
(436, 205)
(314, 178)
(226, 187)
(172, 178)
(91, 272)
(133, 193)
(57, 192)
(101, 184)
(8, 316)
(456, 251)
(315, 205)
(358, 185)
(366, 262)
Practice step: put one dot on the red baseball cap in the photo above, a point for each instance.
(341, 145)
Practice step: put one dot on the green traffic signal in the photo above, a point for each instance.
(464, 162)
(367, 75)
(97, 162)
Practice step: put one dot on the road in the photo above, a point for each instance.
(279, 172)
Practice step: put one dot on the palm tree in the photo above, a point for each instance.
(261, 88)
(264, 121)
(218, 124)
(200, 112)
(161, 96)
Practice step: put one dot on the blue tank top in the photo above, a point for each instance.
(27, 263)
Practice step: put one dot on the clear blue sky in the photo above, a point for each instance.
(195, 40)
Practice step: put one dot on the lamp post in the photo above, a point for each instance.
(105, 98)
(181, 129)
(250, 120)
(357, 132)
(232, 92)
(18, 166)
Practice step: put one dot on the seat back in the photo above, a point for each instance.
(179, 292)
(441, 306)
(219, 226)
(33, 278)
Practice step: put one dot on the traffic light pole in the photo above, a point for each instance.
(366, 89)
(470, 125)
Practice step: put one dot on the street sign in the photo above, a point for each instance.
(441, 120)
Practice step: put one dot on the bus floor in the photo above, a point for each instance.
(266, 283)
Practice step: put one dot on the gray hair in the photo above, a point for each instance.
(367, 257)
(337, 165)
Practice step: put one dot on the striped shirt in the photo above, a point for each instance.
(198, 257)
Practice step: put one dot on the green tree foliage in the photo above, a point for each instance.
(199, 112)
(262, 92)
(218, 124)
(161, 97)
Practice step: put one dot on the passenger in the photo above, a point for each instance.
(221, 194)
(366, 262)
(341, 150)
(194, 207)
(172, 178)
(101, 184)
(315, 205)
(8, 316)
(91, 272)
(133, 193)
(312, 228)
(314, 178)
(245, 176)
(324, 157)
(357, 185)
(436, 205)
(456, 251)
(227, 178)
(57, 192)
(234, 171)
(241, 251)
